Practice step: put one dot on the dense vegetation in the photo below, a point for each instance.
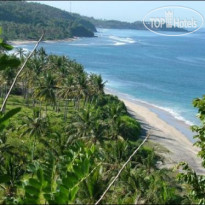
(62, 140)
(26, 21)
(195, 184)
(137, 25)
(23, 20)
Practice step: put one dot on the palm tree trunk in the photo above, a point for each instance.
(34, 102)
(5, 89)
(40, 106)
(1, 94)
(85, 100)
(56, 107)
(59, 105)
(78, 104)
(27, 98)
(46, 109)
(24, 90)
(33, 150)
(137, 199)
(17, 75)
(65, 111)
(5, 92)
(92, 100)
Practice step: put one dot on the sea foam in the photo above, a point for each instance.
(171, 111)
(120, 40)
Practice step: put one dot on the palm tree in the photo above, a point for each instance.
(12, 170)
(36, 65)
(46, 91)
(93, 187)
(96, 84)
(86, 123)
(58, 64)
(7, 76)
(82, 122)
(3, 85)
(42, 54)
(67, 88)
(35, 126)
(20, 52)
(66, 91)
(81, 88)
(63, 66)
(159, 190)
(114, 111)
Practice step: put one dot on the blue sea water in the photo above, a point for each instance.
(167, 72)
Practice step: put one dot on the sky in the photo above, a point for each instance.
(129, 11)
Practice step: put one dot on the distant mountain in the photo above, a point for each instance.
(23, 20)
(114, 24)
(26, 20)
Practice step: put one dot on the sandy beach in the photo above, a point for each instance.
(22, 42)
(164, 129)
(179, 147)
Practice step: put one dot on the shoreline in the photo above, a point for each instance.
(179, 147)
(22, 42)
(178, 122)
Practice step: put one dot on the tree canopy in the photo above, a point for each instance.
(26, 20)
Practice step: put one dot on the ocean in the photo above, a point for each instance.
(162, 71)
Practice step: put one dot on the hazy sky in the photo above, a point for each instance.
(120, 10)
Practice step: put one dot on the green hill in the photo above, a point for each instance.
(23, 20)
(114, 24)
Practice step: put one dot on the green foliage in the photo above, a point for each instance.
(23, 20)
(150, 189)
(131, 128)
(4, 45)
(200, 130)
(69, 139)
(80, 31)
(114, 24)
(4, 118)
(8, 61)
(46, 90)
(8, 115)
(196, 182)
(92, 188)
(53, 187)
(103, 100)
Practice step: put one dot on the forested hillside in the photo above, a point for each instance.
(23, 20)
(63, 140)
(114, 24)
(67, 139)
(26, 20)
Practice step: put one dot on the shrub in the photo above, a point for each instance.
(130, 128)
(103, 100)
